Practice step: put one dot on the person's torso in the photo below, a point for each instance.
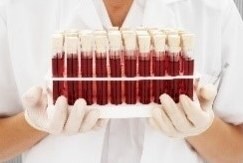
(30, 25)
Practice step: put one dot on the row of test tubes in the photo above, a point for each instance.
(120, 58)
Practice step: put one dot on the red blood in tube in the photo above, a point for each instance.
(130, 71)
(72, 71)
(158, 70)
(55, 74)
(167, 60)
(61, 74)
(102, 86)
(167, 83)
(175, 71)
(188, 65)
(116, 86)
(76, 88)
(144, 85)
(70, 86)
(58, 71)
(87, 71)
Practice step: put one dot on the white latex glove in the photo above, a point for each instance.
(59, 118)
(187, 118)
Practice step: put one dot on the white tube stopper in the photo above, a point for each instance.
(101, 42)
(144, 42)
(100, 32)
(71, 33)
(142, 33)
(174, 43)
(130, 40)
(115, 40)
(113, 29)
(159, 41)
(188, 40)
(86, 38)
(153, 31)
(71, 45)
(57, 43)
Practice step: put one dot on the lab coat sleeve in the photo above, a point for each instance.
(229, 101)
(9, 99)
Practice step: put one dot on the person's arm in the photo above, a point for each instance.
(222, 143)
(16, 136)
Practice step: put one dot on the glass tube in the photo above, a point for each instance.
(71, 50)
(115, 58)
(174, 65)
(188, 62)
(58, 65)
(101, 69)
(144, 68)
(130, 66)
(87, 87)
(158, 65)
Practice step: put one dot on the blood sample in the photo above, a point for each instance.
(174, 68)
(188, 62)
(57, 65)
(115, 58)
(71, 50)
(101, 42)
(87, 65)
(144, 42)
(130, 65)
(158, 65)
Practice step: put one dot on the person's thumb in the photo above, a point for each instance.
(32, 97)
(206, 95)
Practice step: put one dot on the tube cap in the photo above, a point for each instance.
(130, 40)
(144, 42)
(71, 45)
(101, 42)
(188, 40)
(174, 43)
(115, 40)
(57, 43)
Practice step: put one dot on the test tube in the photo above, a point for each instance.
(115, 58)
(71, 50)
(174, 68)
(101, 42)
(144, 42)
(158, 65)
(57, 65)
(188, 61)
(130, 65)
(86, 38)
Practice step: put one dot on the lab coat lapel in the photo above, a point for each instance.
(158, 13)
(85, 16)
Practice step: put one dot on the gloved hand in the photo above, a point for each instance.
(187, 118)
(60, 118)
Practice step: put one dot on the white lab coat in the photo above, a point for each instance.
(25, 30)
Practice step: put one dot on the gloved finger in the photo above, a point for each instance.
(193, 111)
(59, 117)
(32, 97)
(49, 91)
(207, 96)
(101, 123)
(90, 120)
(75, 117)
(49, 94)
(153, 124)
(163, 122)
(176, 115)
